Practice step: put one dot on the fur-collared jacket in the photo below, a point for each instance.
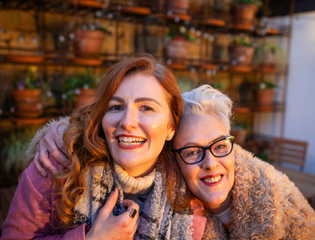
(265, 205)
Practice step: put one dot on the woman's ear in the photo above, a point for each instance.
(170, 134)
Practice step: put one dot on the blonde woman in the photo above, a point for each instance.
(244, 197)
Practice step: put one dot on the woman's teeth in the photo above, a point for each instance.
(131, 140)
(212, 180)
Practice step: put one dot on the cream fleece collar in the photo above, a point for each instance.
(140, 185)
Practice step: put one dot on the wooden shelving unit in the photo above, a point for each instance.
(141, 14)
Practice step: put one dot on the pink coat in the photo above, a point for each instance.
(32, 212)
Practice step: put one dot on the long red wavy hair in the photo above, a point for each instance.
(86, 143)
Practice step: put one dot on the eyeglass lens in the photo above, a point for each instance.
(196, 154)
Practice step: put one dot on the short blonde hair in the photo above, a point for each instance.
(207, 100)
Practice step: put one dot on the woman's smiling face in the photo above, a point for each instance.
(202, 130)
(137, 123)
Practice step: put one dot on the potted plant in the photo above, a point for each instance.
(240, 131)
(15, 144)
(88, 39)
(265, 92)
(218, 85)
(27, 94)
(245, 11)
(269, 54)
(242, 50)
(222, 5)
(81, 88)
(178, 6)
(178, 42)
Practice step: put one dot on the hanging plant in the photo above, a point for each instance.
(88, 39)
(81, 87)
(245, 11)
(242, 50)
(265, 92)
(27, 94)
(178, 42)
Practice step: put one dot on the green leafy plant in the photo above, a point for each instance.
(95, 26)
(217, 85)
(259, 3)
(269, 47)
(76, 82)
(242, 40)
(179, 33)
(266, 85)
(27, 80)
(15, 144)
(238, 126)
(185, 84)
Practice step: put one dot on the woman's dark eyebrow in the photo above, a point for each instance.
(118, 99)
(147, 99)
(121, 100)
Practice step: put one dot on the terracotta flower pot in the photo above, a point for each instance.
(88, 43)
(243, 55)
(85, 97)
(28, 102)
(177, 49)
(178, 6)
(265, 97)
(240, 136)
(269, 59)
(245, 13)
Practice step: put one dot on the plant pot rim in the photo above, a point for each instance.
(95, 33)
(261, 90)
(179, 40)
(239, 46)
(247, 4)
(87, 90)
(88, 30)
(28, 90)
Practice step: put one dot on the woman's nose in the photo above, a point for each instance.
(210, 162)
(129, 120)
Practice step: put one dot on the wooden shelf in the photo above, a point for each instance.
(87, 3)
(178, 66)
(210, 66)
(25, 59)
(137, 10)
(182, 17)
(30, 121)
(241, 69)
(214, 22)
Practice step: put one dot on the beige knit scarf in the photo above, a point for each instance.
(157, 219)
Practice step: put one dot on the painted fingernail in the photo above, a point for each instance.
(43, 173)
(132, 213)
(54, 171)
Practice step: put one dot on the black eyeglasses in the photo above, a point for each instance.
(195, 154)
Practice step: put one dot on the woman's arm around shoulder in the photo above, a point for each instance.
(32, 212)
(49, 140)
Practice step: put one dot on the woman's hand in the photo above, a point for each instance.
(109, 227)
(53, 144)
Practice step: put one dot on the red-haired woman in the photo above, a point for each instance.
(119, 148)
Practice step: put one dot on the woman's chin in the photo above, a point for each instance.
(217, 202)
